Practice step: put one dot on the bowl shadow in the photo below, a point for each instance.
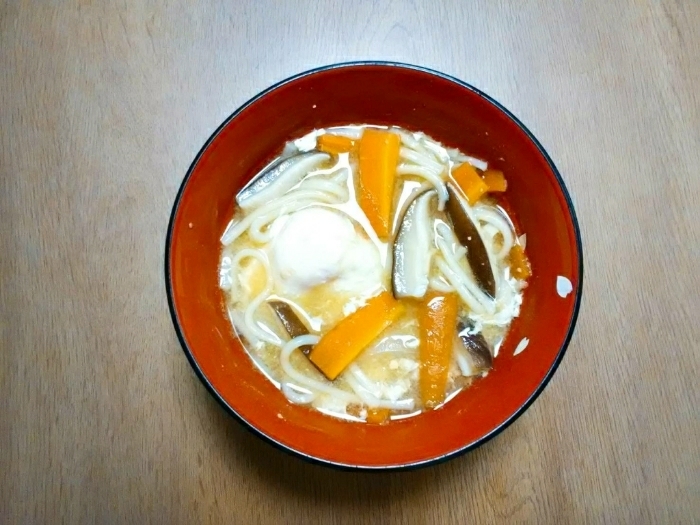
(309, 483)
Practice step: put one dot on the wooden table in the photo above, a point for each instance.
(103, 106)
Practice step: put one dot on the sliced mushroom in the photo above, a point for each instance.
(291, 322)
(413, 248)
(477, 348)
(468, 235)
(278, 177)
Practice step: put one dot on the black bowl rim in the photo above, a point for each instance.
(382, 468)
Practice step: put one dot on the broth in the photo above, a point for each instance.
(370, 288)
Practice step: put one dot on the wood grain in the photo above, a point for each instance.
(103, 105)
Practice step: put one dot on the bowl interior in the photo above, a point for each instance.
(416, 99)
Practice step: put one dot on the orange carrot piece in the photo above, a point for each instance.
(437, 321)
(344, 342)
(469, 182)
(519, 264)
(495, 181)
(378, 416)
(378, 157)
(334, 144)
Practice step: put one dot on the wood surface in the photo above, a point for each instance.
(103, 105)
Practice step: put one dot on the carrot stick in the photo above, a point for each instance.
(346, 340)
(334, 144)
(495, 181)
(437, 321)
(519, 263)
(378, 157)
(378, 416)
(469, 182)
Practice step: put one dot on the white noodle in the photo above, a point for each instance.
(316, 183)
(437, 150)
(363, 380)
(235, 230)
(408, 139)
(251, 326)
(248, 316)
(245, 253)
(422, 160)
(451, 256)
(302, 380)
(423, 145)
(488, 230)
(342, 176)
(296, 394)
(256, 232)
(477, 163)
(449, 234)
(459, 158)
(241, 329)
(286, 180)
(430, 176)
(439, 284)
(372, 401)
(349, 132)
(495, 219)
(458, 282)
(327, 186)
(464, 366)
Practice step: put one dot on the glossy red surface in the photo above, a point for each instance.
(379, 94)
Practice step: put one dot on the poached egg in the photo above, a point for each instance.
(320, 250)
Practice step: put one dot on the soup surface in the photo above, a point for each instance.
(371, 273)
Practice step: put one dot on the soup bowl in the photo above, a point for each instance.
(452, 112)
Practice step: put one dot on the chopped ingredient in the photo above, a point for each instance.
(354, 410)
(437, 320)
(378, 415)
(495, 180)
(476, 346)
(469, 182)
(469, 237)
(310, 246)
(291, 322)
(278, 178)
(378, 158)
(335, 144)
(413, 248)
(346, 340)
(519, 263)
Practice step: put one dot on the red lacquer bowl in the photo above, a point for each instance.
(455, 114)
